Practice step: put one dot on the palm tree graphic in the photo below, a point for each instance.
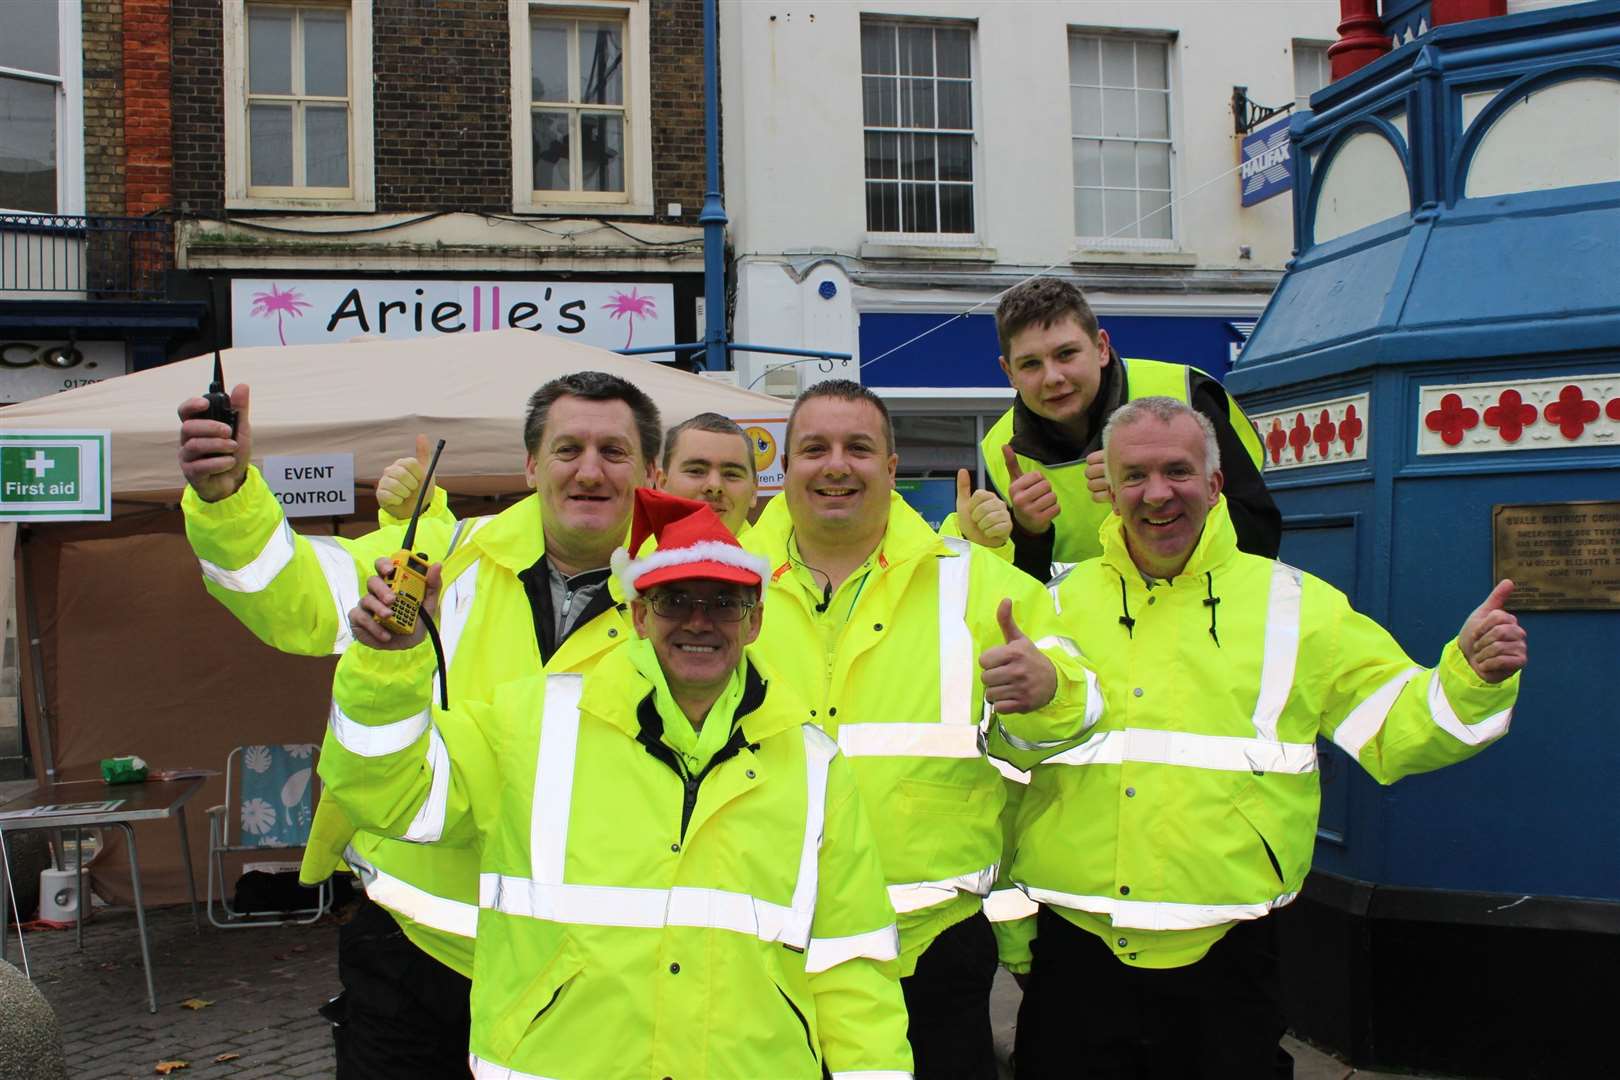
(631, 306)
(279, 303)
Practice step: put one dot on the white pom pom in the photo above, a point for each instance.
(621, 565)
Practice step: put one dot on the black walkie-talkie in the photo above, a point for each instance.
(219, 402)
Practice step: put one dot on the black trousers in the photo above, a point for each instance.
(1086, 1014)
(948, 1000)
(401, 1013)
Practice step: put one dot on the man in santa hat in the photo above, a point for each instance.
(673, 853)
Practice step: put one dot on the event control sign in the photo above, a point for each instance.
(55, 476)
(312, 485)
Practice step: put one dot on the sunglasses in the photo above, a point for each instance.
(677, 606)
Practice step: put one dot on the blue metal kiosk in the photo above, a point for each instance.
(1437, 383)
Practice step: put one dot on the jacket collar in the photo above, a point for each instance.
(615, 692)
(906, 537)
(1216, 545)
(515, 539)
(1041, 440)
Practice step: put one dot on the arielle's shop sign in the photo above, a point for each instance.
(308, 311)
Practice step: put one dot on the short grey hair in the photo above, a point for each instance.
(1165, 410)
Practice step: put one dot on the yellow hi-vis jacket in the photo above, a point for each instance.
(1076, 527)
(1193, 803)
(900, 692)
(636, 920)
(295, 592)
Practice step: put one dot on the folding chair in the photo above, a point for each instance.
(270, 794)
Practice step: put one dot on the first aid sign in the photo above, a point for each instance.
(55, 476)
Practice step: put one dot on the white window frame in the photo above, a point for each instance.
(1084, 242)
(970, 240)
(361, 196)
(69, 108)
(637, 198)
(1302, 101)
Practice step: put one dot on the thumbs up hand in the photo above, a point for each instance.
(1491, 640)
(1034, 503)
(983, 518)
(1016, 677)
(396, 488)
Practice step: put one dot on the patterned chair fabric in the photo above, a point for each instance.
(278, 795)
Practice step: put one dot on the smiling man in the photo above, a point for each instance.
(897, 637)
(709, 458)
(679, 878)
(525, 589)
(1158, 841)
(1044, 455)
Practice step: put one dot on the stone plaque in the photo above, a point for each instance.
(1561, 556)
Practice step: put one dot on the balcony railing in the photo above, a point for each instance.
(73, 257)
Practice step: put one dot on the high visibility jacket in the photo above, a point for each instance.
(1193, 803)
(1075, 528)
(634, 922)
(902, 696)
(294, 592)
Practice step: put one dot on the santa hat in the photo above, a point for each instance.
(693, 544)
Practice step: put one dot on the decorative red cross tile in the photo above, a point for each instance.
(1350, 429)
(1571, 412)
(1510, 415)
(1323, 433)
(1613, 409)
(1299, 436)
(1276, 441)
(1451, 419)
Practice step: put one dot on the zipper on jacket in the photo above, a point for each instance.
(651, 738)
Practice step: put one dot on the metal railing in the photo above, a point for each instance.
(83, 257)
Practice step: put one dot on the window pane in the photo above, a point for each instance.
(877, 50)
(270, 146)
(548, 61)
(1085, 110)
(550, 138)
(601, 65)
(916, 50)
(326, 147)
(1150, 65)
(27, 146)
(955, 208)
(916, 157)
(955, 104)
(326, 53)
(1088, 214)
(29, 42)
(269, 51)
(917, 103)
(917, 207)
(1083, 61)
(882, 156)
(1119, 164)
(954, 57)
(1119, 213)
(955, 157)
(601, 137)
(1153, 165)
(1118, 62)
(1088, 164)
(1119, 113)
(1156, 208)
(883, 207)
(1154, 114)
(879, 101)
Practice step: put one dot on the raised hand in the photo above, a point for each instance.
(1097, 477)
(379, 601)
(1017, 678)
(396, 488)
(214, 463)
(981, 515)
(1034, 503)
(1491, 639)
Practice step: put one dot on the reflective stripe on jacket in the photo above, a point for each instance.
(1076, 527)
(1193, 803)
(633, 923)
(904, 698)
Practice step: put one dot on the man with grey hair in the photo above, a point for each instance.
(1158, 838)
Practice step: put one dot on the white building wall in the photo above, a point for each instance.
(794, 153)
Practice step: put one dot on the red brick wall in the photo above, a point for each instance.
(148, 138)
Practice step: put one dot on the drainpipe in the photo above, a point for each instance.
(713, 217)
(1361, 37)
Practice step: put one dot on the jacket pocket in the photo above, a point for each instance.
(1252, 806)
(536, 1004)
(938, 798)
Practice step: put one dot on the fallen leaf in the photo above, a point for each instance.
(164, 1068)
(227, 1057)
(195, 1004)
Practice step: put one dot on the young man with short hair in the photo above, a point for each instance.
(709, 458)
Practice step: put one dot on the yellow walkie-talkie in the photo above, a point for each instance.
(408, 577)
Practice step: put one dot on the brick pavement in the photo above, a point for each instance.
(264, 985)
